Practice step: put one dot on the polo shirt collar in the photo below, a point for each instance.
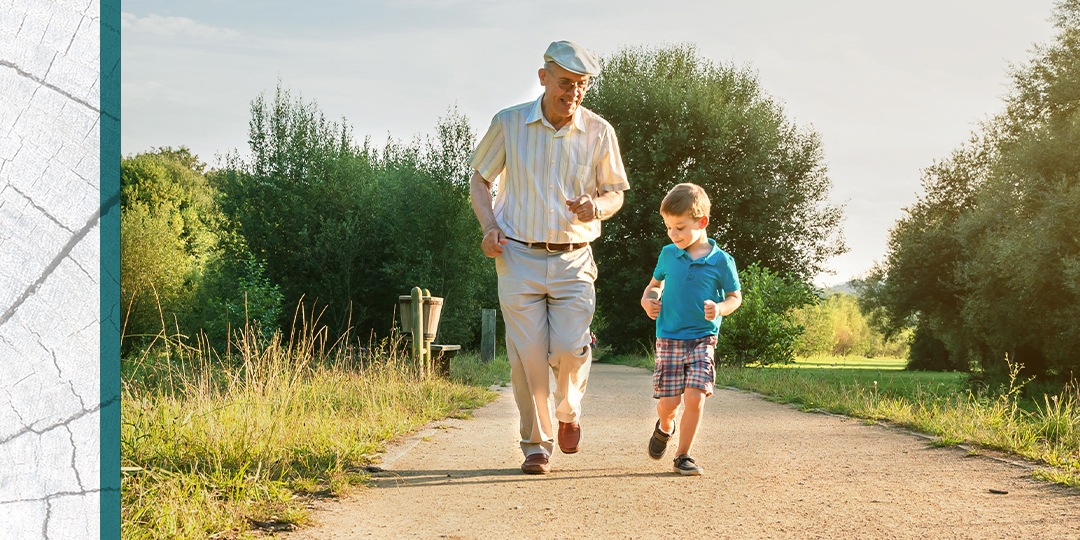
(710, 259)
(537, 115)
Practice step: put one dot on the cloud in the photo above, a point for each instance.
(174, 27)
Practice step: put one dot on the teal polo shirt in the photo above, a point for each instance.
(687, 284)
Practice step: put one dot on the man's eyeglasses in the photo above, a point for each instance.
(567, 85)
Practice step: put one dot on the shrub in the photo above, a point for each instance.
(764, 330)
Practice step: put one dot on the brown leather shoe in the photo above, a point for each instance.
(536, 464)
(569, 437)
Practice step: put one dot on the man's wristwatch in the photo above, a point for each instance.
(598, 212)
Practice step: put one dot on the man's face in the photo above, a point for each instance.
(563, 92)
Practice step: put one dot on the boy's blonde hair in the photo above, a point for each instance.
(686, 199)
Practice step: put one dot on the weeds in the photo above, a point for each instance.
(221, 446)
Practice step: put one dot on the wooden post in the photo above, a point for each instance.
(487, 335)
(418, 328)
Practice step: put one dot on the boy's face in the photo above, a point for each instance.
(685, 231)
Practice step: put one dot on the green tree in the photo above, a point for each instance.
(169, 235)
(819, 330)
(987, 261)
(680, 118)
(240, 296)
(837, 326)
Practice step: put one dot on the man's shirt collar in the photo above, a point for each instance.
(537, 115)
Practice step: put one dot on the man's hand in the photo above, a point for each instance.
(711, 310)
(584, 207)
(493, 242)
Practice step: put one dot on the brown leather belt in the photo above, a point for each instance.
(551, 247)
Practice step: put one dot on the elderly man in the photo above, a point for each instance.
(559, 174)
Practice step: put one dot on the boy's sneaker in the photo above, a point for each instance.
(685, 466)
(658, 442)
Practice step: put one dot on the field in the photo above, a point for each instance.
(885, 375)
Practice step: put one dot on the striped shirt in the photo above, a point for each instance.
(539, 169)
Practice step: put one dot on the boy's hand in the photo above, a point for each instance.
(652, 307)
(711, 310)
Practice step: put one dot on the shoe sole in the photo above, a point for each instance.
(689, 473)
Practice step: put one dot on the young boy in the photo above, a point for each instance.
(699, 286)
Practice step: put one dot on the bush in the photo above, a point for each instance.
(250, 301)
(764, 330)
(927, 352)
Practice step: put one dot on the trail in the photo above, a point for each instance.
(771, 472)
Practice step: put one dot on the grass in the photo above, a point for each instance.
(885, 375)
(467, 368)
(849, 362)
(940, 404)
(234, 447)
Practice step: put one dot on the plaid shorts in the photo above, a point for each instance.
(683, 363)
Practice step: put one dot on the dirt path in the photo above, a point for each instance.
(770, 472)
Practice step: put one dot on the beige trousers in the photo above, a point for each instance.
(548, 301)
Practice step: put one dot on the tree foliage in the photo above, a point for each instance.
(680, 118)
(346, 228)
(763, 330)
(988, 260)
(169, 235)
(837, 326)
(184, 269)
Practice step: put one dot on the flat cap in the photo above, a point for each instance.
(572, 57)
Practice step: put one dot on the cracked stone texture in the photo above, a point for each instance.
(49, 269)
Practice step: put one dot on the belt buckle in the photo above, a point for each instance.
(547, 246)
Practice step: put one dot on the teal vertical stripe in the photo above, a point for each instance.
(110, 269)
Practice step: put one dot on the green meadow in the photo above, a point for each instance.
(886, 375)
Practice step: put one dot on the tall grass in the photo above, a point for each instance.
(1048, 432)
(217, 447)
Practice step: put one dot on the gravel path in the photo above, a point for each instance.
(770, 472)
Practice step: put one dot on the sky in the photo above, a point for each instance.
(891, 87)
